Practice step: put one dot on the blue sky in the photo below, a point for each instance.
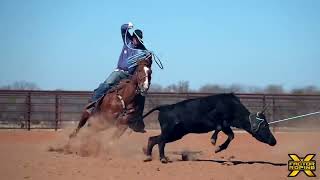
(75, 44)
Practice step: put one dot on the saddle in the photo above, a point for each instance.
(96, 104)
(118, 86)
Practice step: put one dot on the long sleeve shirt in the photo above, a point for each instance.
(128, 53)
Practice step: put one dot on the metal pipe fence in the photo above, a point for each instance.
(57, 109)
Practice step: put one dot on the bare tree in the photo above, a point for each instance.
(155, 88)
(21, 85)
(254, 89)
(183, 86)
(211, 88)
(235, 88)
(306, 90)
(274, 89)
(171, 88)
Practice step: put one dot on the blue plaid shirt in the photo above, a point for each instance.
(128, 56)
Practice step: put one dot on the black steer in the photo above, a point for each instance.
(202, 115)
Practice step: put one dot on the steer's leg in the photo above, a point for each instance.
(151, 143)
(227, 131)
(214, 137)
(163, 158)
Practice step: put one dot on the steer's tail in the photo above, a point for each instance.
(154, 109)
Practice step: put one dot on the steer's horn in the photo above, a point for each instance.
(265, 108)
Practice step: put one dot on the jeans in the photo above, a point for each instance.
(114, 78)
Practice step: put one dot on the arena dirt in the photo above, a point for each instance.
(26, 155)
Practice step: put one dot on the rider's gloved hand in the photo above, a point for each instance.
(130, 25)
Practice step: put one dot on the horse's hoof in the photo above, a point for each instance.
(213, 142)
(111, 143)
(72, 135)
(147, 159)
(164, 160)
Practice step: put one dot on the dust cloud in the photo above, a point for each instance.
(96, 140)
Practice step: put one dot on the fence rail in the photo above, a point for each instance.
(56, 109)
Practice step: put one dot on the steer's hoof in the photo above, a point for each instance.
(218, 149)
(144, 150)
(213, 142)
(164, 160)
(147, 159)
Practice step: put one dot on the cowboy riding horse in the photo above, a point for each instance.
(122, 106)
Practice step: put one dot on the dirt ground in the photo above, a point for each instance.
(25, 155)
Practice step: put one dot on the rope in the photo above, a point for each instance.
(295, 117)
(158, 63)
(155, 57)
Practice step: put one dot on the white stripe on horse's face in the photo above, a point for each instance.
(146, 82)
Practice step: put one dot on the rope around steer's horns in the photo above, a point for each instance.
(155, 57)
(295, 117)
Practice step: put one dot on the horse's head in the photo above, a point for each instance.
(260, 128)
(143, 74)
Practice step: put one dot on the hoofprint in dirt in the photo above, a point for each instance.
(25, 156)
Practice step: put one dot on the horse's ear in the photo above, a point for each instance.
(148, 61)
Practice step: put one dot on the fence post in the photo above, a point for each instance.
(274, 113)
(57, 112)
(273, 109)
(28, 103)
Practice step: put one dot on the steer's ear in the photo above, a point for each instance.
(260, 115)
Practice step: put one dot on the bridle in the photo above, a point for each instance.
(138, 90)
(141, 90)
(255, 123)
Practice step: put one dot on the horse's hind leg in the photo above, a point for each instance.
(119, 132)
(228, 131)
(84, 118)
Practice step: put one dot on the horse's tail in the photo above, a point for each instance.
(154, 109)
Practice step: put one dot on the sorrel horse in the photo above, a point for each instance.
(123, 102)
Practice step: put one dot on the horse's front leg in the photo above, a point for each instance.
(121, 125)
(119, 131)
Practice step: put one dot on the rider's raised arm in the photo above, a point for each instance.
(124, 30)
